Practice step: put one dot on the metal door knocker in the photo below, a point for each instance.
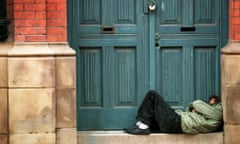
(152, 5)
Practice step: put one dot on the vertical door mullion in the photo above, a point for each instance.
(107, 12)
(188, 73)
(152, 50)
(107, 76)
(187, 13)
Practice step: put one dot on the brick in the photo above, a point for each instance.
(31, 72)
(56, 30)
(3, 111)
(51, 7)
(56, 14)
(30, 30)
(56, 1)
(57, 22)
(57, 38)
(24, 14)
(40, 14)
(234, 13)
(236, 20)
(237, 4)
(236, 28)
(33, 138)
(18, 22)
(66, 108)
(61, 7)
(30, 23)
(18, 7)
(25, 1)
(237, 13)
(36, 23)
(19, 38)
(52, 22)
(67, 136)
(32, 111)
(35, 7)
(61, 22)
(36, 38)
(237, 36)
(40, 1)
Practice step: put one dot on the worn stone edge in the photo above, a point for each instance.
(32, 49)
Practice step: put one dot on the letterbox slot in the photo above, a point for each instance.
(108, 30)
(188, 29)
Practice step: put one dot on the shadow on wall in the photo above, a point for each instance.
(4, 22)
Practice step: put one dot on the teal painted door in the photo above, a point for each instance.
(111, 63)
(124, 49)
(187, 50)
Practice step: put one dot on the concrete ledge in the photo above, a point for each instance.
(39, 49)
(119, 137)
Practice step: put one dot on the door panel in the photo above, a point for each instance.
(110, 85)
(187, 69)
(187, 50)
(175, 15)
(206, 68)
(107, 85)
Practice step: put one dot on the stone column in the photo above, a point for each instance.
(66, 95)
(32, 95)
(41, 80)
(230, 62)
(230, 71)
(4, 47)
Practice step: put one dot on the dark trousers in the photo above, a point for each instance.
(156, 113)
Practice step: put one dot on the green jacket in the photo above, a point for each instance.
(208, 118)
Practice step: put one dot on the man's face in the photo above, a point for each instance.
(212, 101)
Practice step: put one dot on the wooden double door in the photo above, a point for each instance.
(126, 47)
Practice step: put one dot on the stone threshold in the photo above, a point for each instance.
(119, 137)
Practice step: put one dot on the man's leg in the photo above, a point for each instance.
(147, 108)
(154, 109)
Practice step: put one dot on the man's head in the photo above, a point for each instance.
(214, 99)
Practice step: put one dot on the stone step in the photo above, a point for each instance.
(119, 137)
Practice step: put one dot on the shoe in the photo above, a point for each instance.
(131, 127)
(137, 131)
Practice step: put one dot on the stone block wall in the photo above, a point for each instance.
(230, 75)
(4, 129)
(230, 61)
(37, 75)
(37, 93)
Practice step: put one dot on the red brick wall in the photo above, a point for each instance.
(39, 20)
(234, 20)
(45, 20)
(56, 20)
